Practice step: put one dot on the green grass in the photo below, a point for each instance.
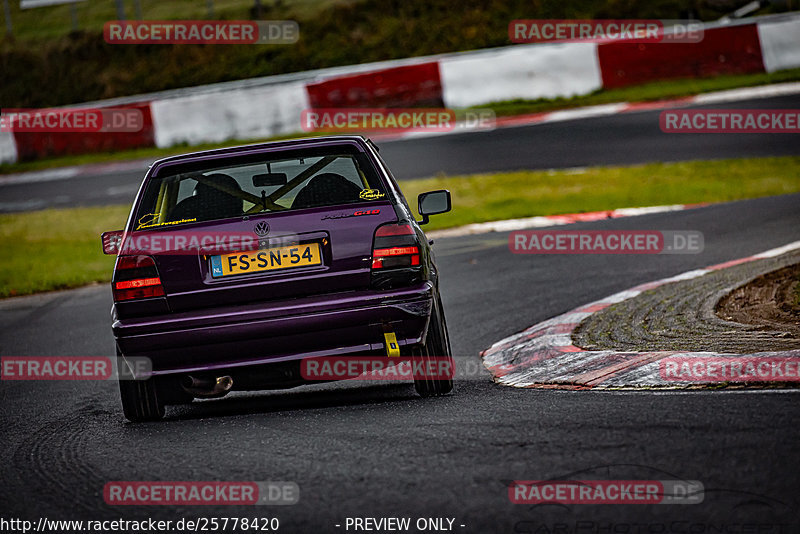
(661, 90)
(508, 195)
(57, 249)
(53, 22)
(648, 92)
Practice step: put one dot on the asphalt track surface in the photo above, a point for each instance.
(372, 450)
(623, 139)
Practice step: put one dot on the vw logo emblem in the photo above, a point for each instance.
(261, 229)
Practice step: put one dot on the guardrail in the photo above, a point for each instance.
(271, 106)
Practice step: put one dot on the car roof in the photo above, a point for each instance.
(303, 142)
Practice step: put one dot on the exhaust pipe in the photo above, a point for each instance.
(207, 388)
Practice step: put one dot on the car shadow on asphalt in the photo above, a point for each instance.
(303, 398)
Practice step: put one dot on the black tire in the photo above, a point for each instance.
(436, 348)
(140, 398)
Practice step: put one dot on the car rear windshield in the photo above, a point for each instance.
(271, 183)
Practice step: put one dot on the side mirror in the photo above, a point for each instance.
(111, 241)
(433, 202)
(270, 180)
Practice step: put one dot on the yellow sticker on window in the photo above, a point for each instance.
(370, 194)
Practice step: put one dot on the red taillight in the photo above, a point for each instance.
(136, 277)
(395, 245)
(139, 292)
(143, 282)
(395, 251)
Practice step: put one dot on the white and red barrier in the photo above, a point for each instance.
(723, 50)
(248, 113)
(8, 148)
(522, 71)
(402, 86)
(31, 145)
(259, 108)
(780, 46)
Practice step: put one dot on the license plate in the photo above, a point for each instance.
(265, 260)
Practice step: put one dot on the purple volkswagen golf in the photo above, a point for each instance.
(238, 265)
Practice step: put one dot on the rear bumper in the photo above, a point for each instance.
(339, 324)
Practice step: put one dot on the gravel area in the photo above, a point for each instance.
(682, 316)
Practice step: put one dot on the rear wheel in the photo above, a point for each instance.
(435, 351)
(140, 398)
